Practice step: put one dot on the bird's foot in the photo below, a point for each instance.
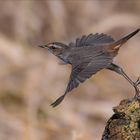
(136, 84)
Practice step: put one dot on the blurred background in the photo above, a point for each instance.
(31, 78)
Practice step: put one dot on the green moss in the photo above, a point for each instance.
(127, 125)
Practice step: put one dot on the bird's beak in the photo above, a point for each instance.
(43, 46)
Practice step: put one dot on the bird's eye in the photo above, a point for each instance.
(53, 47)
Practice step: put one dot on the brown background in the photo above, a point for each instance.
(31, 78)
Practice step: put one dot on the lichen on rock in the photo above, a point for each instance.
(125, 123)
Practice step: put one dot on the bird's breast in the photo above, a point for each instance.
(64, 57)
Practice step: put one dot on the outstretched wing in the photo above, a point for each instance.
(83, 71)
(73, 83)
(80, 74)
(92, 39)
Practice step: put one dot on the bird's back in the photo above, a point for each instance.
(87, 52)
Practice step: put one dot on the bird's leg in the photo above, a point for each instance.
(120, 71)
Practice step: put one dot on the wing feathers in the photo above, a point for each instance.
(80, 73)
(83, 71)
(92, 39)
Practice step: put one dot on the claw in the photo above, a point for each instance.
(136, 87)
(138, 81)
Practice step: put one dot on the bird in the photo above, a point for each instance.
(87, 55)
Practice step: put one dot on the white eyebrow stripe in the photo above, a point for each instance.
(57, 46)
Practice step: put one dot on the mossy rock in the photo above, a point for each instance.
(125, 123)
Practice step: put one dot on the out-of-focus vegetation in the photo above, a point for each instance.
(31, 78)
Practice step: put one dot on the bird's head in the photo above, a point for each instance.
(55, 48)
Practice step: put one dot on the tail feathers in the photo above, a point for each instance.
(120, 42)
(58, 101)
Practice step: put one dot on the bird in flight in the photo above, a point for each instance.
(88, 55)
